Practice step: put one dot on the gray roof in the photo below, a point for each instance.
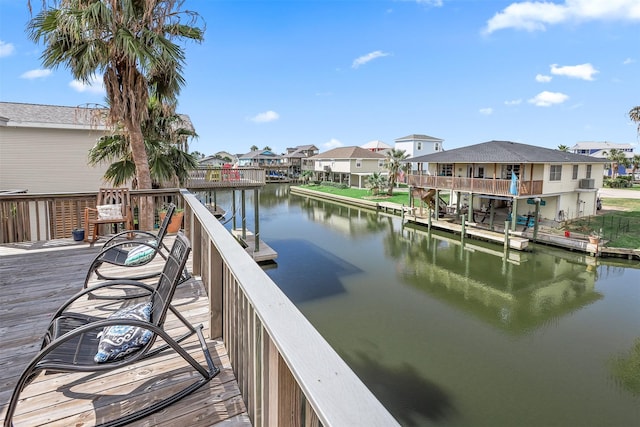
(39, 115)
(503, 152)
(418, 136)
(259, 154)
(604, 145)
(348, 153)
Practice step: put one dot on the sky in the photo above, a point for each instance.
(337, 73)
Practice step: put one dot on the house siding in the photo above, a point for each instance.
(43, 160)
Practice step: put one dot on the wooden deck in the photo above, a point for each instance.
(35, 279)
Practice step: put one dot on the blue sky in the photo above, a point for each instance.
(341, 73)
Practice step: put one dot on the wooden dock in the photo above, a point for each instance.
(515, 242)
(248, 242)
(36, 279)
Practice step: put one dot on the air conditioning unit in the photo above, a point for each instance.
(587, 183)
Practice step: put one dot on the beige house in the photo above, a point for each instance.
(504, 174)
(43, 148)
(348, 165)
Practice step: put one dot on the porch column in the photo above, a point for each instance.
(514, 214)
(470, 212)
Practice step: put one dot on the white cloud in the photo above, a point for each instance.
(513, 102)
(547, 99)
(537, 15)
(94, 85)
(543, 79)
(583, 71)
(628, 61)
(368, 57)
(35, 74)
(266, 117)
(333, 143)
(6, 49)
(486, 111)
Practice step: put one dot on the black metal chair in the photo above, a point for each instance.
(122, 251)
(73, 340)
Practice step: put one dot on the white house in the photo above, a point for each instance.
(600, 150)
(416, 145)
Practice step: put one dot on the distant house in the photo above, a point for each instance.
(377, 146)
(219, 159)
(600, 150)
(44, 148)
(417, 145)
(513, 175)
(259, 158)
(348, 165)
(296, 159)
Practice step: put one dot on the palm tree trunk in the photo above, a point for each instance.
(143, 175)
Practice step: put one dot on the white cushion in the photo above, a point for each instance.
(110, 211)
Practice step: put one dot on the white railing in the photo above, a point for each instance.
(287, 373)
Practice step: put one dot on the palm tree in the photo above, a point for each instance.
(164, 137)
(617, 158)
(393, 163)
(635, 164)
(254, 148)
(563, 148)
(267, 148)
(634, 115)
(130, 43)
(375, 182)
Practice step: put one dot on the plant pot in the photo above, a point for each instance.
(594, 240)
(78, 235)
(175, 223)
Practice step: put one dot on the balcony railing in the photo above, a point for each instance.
(498, 187)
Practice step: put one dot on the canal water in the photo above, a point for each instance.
(451, 335)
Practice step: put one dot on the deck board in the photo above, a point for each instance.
(34, 281)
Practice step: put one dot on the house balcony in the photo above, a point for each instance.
(272, 374)
(492, 187)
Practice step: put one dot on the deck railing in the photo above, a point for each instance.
(498, 187)
(29, 217)
(287, 373)
(221, 177)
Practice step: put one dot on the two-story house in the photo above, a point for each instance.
(517, 176)
(417, 145)
(296, 159)
(377, 146)
(348, 165)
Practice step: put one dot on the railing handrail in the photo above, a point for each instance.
(338, 397)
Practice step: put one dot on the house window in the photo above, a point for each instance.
(358, 163)
(574, 173)
(508, 170)
(419, 146)
(436, 146)
(588, 171)
(381, 163)
(446, 170)
(555, 173)
(480, 172)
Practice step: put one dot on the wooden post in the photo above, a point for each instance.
(506, 235)
(256, 218)
(491, 214)
(244, 216)
(470, 212)
(535, 219)
(462, 231)
(233, 208)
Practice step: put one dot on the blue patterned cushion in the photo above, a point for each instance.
(119, 340)
(140, 254)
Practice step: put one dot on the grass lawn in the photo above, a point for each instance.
(400, 196)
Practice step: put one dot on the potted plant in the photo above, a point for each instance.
(594, 237)
(176, 219)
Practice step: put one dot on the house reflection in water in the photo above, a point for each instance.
(518, 293)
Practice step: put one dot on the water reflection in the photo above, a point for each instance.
(456, 335)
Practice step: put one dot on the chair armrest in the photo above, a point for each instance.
(137, 235)
(103, 285)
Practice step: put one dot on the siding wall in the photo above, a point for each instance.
(48, 160)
